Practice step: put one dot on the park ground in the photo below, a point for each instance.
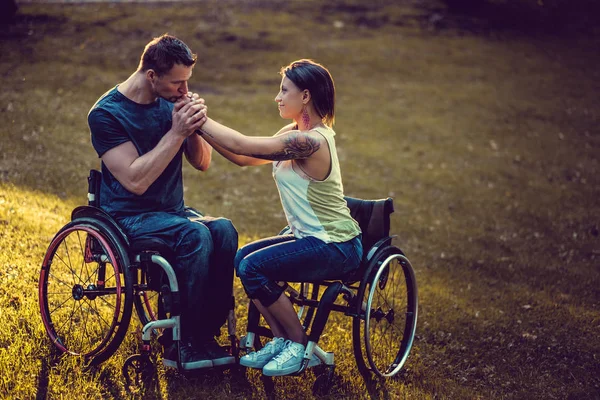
(487, 137)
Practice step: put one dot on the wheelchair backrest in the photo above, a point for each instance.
(373, 217)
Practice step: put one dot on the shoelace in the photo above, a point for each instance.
(288, 352)
(268, 349)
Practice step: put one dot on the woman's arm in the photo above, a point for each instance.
(241, 160)
(287, 144)
(237, 159)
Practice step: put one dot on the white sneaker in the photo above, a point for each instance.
(288, 360)
(258, 359)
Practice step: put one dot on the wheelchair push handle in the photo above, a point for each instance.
(94, 187)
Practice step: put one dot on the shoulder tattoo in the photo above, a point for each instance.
(296, 145)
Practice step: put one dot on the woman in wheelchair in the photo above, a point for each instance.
(325, 242)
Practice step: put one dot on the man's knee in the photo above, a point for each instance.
(224, 233)
(194, 238)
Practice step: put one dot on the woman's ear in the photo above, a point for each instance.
(305, 96)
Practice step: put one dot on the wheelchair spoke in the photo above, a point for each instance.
(61, 282)
(70, 322)
(60, 305)
(84, 332)
(66, 265)
(70, 263)
(99, 314)
(82, 248)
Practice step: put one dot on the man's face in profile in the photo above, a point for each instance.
(174, 84)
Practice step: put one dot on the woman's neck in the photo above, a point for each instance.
(306, 124)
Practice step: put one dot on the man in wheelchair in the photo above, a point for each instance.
(140, 129)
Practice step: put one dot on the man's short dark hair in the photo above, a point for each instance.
(165, 51)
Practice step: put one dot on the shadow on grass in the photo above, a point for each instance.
(44, 375)
(213, 383)
(377, 388)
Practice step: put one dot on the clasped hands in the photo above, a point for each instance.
(189, 114)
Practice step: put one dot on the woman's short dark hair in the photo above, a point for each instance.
(165, 51)
(307, 74)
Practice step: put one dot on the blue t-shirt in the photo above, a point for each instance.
(114, 120)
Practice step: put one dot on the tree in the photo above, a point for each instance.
(8, 9)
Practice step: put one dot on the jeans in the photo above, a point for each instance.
(261, 264)
(204, 251)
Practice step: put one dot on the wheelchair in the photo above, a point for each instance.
(93, 276)
(380, 297)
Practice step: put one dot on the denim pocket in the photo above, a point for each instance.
(352, 253)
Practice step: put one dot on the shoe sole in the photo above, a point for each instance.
(189, 366)
(289, 370)
(253, 364)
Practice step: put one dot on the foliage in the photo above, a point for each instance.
(488, 144)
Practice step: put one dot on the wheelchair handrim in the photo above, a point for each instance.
(411, 317)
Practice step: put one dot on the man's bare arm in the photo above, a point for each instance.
(136, 173)
(198, 152)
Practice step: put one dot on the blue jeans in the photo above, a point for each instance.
(204, 251)
(261, 264)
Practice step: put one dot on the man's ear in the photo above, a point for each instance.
(151, 75)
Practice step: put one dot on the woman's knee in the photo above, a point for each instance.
(240, 255)
(241, 269)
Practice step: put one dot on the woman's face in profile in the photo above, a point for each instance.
(289, 99)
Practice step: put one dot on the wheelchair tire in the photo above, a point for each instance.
(384, 331)
(85, 290)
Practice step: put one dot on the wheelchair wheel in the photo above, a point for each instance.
(387, 307)
(146, 301)
(85, 291)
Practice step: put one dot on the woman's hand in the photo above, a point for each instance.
(196, 97)
(189, 114)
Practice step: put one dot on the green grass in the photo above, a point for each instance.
(487, 142)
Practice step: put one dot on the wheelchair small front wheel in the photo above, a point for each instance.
(138, 372)
(387, 304)
(85, 293)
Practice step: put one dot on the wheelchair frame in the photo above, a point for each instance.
(104, 285)
(383, 267)
(86, 304)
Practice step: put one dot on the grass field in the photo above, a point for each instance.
(488, 140)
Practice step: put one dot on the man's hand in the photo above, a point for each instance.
(189, 114)
(196, 96)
